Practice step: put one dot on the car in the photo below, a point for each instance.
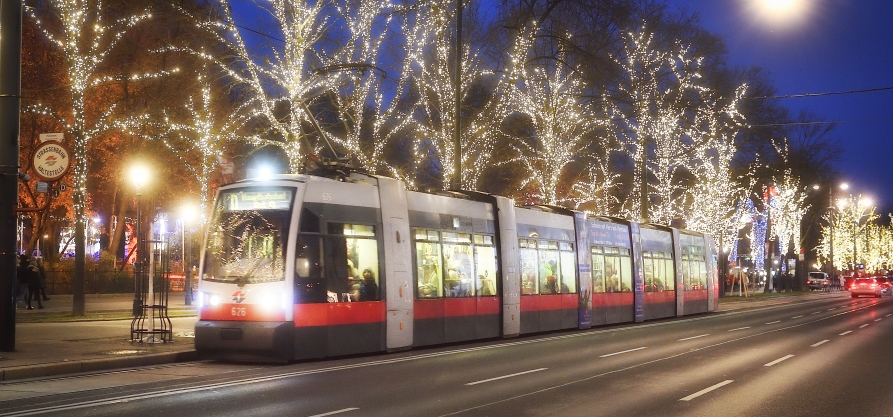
(817, 281)
(885, 284)
(874, 287)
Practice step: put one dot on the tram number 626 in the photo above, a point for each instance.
(239, 312)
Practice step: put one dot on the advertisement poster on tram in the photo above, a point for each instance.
(585, 272)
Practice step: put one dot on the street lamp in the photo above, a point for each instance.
(139, 174)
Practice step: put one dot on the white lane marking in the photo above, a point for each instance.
(773, 322)
(888, 315)
(332, 413)
(617, 371)
(740, 328)
(797, 317)
(706, 390)
(879, 319)
(506, 376)
(625, 351)
(815, 312)
(694, 337)
(833, 308)
(864, 326)
(781, 359)
(846, 333)
(820, 343)
(182, 388)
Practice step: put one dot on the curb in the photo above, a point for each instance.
(93, 365)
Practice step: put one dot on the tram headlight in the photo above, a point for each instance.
(214, 300)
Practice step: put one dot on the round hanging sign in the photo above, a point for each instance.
(51, 160)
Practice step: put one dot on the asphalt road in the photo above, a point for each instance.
(828, 357)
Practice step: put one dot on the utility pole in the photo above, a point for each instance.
(456, 181)
(10, 105)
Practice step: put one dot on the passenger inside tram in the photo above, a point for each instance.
(612, 281)
(429, 280)
(548, 273)
(369, 292)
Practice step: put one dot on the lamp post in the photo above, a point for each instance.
(139, 175)
(767, 262)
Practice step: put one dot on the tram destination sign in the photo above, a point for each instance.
(258, 200)
(52, 160)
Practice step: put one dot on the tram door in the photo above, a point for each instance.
(612, 283)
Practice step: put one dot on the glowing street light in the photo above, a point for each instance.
(780, 13)
(139, 174)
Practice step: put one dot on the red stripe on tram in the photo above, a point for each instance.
(331, 314)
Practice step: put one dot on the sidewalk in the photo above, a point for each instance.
(51, 341)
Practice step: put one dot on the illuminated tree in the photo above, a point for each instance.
(288, 85)
(202, 138)
(663, 114)
(849, 223)
(714, 198)
(431, 53)
(371, 117)
(788, 209)
(596, 195)
(546, 94)
(86, 37)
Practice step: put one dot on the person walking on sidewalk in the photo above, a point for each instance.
(21, 283)
(32, 277)
(43, 280)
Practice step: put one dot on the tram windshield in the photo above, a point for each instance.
(247, 236)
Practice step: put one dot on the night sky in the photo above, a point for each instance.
(827, 46)
(824, 46)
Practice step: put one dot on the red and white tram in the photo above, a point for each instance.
(301, 266)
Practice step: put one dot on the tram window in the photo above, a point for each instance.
(246, 245)
(598, 270)
(687, 277)
(529, 281)
(341, 266)
(364, 273)
(457, 262)
(669, 273)
(485, 267)
(626, 274)
(309, 222)
(568, 266)
(702, 274)
(549, 274)
(615, 274)
(648, 272)
(428, 256)
(483, 240)
(310, 285)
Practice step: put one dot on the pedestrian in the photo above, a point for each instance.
(43, 279)
(31, 276)
(21, 282)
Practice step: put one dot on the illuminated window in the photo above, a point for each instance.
(341, 265)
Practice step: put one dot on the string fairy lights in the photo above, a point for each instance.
(548, 94)
(86, 39)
